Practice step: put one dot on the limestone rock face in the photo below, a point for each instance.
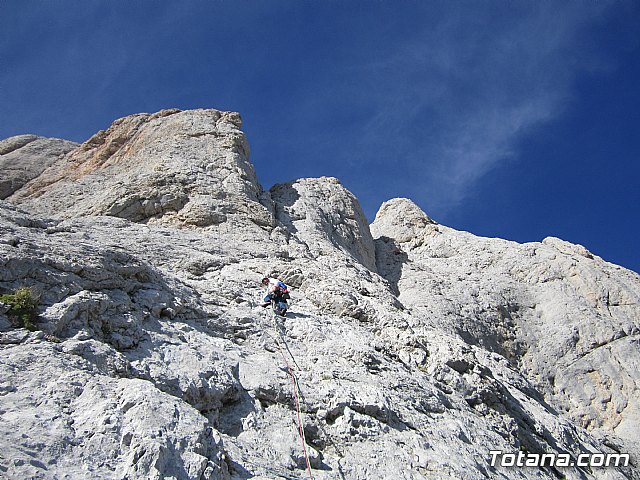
(410, 350)
(401, 220)
(567, 318)
(323, 215)
(190, 168)
(24, 157)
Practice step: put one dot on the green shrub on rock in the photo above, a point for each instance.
(23, 305)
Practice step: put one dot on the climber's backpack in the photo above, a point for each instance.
(282, 291)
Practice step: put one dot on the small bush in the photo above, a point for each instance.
(23, 307)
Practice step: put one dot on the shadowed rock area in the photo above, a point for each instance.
(417, 348)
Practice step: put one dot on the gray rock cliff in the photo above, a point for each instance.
(189, 168)
(24, 157)
(416, 349)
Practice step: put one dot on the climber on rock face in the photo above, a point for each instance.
(278, 293)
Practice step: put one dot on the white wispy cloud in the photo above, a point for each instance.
(452, 102)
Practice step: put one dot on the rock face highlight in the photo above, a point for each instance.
(189, 168)
(417, 348)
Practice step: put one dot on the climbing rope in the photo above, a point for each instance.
(296, 390)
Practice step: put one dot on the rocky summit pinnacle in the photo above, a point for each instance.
(189, 168)
(410, 350)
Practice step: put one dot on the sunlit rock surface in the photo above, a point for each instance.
(417, 348)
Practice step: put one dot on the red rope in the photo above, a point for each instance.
(297, 401)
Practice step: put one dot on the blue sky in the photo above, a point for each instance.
(511, 119)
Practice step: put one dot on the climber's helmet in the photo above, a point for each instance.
(265, 281)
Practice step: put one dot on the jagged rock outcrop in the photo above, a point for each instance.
(190, 168)
(323, 216)
(417, 348)
(24, 157)
(564, 316)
